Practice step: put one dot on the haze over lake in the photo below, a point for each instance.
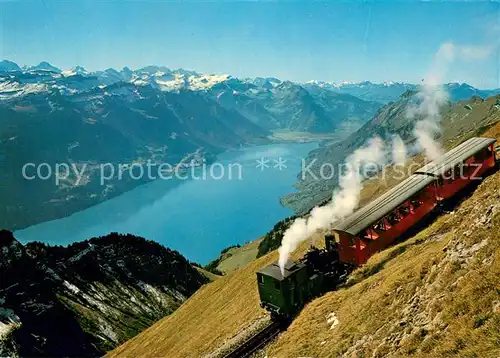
(196, 217)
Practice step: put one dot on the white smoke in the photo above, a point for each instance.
(399, 151)
(432, 96)
(344, 201)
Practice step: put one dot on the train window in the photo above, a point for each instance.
(277, 285)
(379, 225)
(392, 218)
(483, 154)
(416, 202)
(261, 279)
(404, 211)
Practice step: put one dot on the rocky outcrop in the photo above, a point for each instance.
(85, 299)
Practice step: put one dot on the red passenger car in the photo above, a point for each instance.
(462, 165)
(376, 225)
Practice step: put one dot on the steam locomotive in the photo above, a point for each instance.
(373, 228)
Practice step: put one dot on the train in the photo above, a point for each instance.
(374, 227)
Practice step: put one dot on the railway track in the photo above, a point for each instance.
(257, 341)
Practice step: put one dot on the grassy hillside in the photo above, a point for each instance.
(433, 294)
(219, 313)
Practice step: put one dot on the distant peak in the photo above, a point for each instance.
(45, 66)
(9, 66)
(77, 70)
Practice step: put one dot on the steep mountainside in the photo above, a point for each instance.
(96, 293)
(458, 119)
(288, 105)
(413, 298)
(319, 111)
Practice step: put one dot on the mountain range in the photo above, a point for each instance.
(124, 117)
(165, 79)
(85, 118)
(103, 291)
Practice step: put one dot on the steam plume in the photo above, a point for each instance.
(432, 96)
(344, 201)
(399, 151)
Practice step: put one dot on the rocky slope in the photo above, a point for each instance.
(84, 299)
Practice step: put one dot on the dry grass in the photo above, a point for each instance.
(238, 257)
(213, 315)
(435, 295)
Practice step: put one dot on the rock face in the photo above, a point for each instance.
(85, 299)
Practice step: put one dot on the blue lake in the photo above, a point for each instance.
(197, 217)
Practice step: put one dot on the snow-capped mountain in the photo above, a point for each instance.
(15, 81)
(379, 92)
(386, 92)
(44, 66)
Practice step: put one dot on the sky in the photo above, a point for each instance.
(299, 41)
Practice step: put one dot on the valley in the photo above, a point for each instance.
(191, 216)
(87, 120)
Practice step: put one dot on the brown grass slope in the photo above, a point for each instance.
(217, 314)
(220, 312)
(435, 295)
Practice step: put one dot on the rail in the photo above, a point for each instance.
(258, 340)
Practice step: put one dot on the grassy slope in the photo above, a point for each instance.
(211, 276)
(437, 294)
(239, 257)
(218, 311)
(211, 316)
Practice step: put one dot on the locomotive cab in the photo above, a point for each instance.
(284, 295)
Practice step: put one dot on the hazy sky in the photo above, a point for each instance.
(369, 40)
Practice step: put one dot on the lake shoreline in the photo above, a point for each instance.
(188, 215)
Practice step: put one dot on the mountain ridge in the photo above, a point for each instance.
(102, 291)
